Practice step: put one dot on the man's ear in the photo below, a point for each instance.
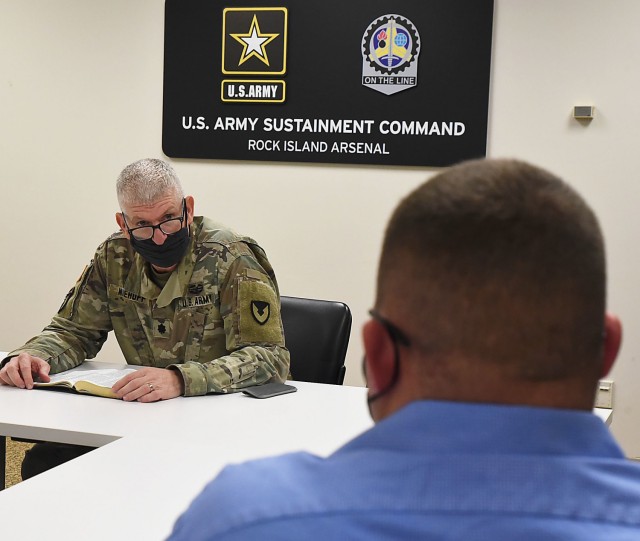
(612, 341)
(121, 224)
(379, 356)
(189, 203)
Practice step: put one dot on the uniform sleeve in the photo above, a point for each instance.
(250, 309)
(80, 327)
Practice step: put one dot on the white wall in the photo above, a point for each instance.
(81, 96)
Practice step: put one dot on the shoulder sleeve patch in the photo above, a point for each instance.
(258, 314)
(69, 304)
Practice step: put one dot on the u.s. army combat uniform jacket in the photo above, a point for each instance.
(216, 320)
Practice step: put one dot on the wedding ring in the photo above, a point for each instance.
(150, 385)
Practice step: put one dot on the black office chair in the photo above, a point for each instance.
(316, 333)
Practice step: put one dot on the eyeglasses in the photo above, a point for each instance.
(168, 227)
(396, 334)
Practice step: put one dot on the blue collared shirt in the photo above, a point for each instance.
(435, 470)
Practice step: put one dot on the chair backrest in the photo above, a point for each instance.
(316, 334)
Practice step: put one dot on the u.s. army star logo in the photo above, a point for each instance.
(254, 41)
(260, 310)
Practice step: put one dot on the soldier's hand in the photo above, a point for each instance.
(20, 371)
(149, 385)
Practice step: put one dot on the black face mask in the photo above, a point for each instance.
(164, 255)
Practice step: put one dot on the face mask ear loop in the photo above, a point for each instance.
(394, 376)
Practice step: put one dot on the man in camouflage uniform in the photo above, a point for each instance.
(195, 304)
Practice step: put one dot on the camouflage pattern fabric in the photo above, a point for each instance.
(216, 320)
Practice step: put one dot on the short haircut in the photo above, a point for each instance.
(146, 181)
(498, 261)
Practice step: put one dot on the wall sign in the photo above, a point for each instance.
(361, 81)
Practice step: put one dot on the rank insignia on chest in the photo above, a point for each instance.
(162, 328)
(260, 310)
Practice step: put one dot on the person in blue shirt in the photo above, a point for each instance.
(483, 355)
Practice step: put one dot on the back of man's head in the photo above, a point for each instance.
(500, 264)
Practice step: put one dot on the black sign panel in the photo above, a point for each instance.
(363, 81)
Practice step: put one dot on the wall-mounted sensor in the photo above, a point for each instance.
(583, 112)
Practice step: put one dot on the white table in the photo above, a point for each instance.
(155, 458)
(88, 420)
(159, 455)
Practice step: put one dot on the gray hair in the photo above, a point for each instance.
(145, 181)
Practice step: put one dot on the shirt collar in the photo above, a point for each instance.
(439, 427)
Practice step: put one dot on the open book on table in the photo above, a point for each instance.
(95, 381)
